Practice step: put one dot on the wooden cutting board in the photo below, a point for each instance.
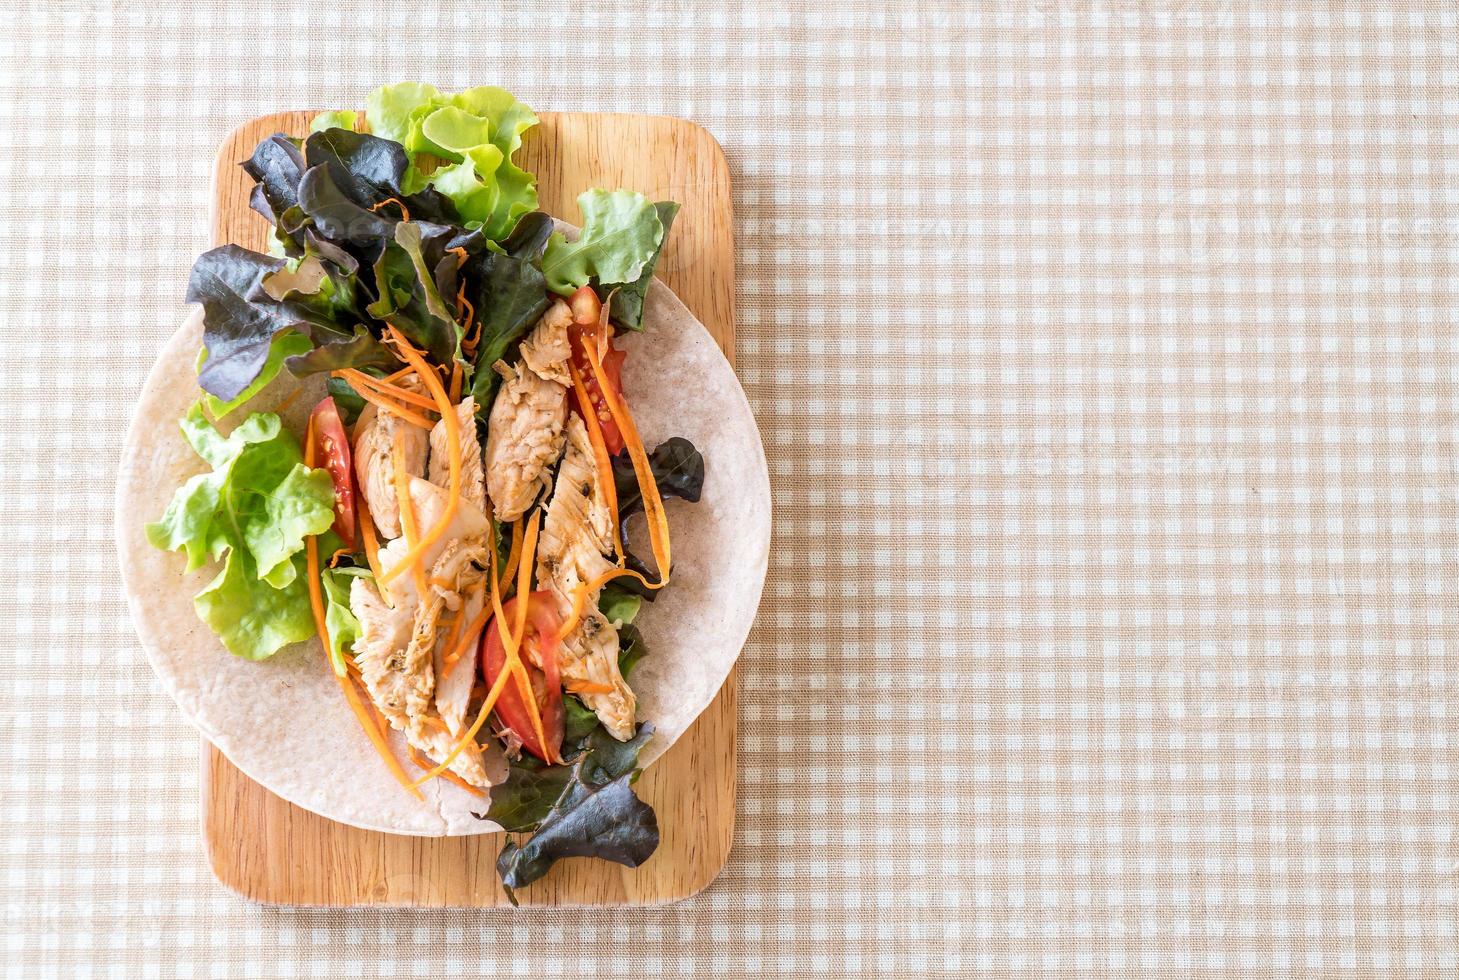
(271, 851)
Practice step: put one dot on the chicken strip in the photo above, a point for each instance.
(385, 635)
(473, 480)
(570, 553)
(375, 435)
(547, 347)
(523, 438)
(397, 649)
(579, 526)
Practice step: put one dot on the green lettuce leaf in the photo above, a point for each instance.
(344, 628)
(621, 235)
(627, 308)
(618, 606)
(255, 508)
(475, 132)
(252, 618)
(338, 119)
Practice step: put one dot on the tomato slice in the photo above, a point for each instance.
(542, 628)
(612, 370)
(332, 446)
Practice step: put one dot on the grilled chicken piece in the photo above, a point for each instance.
(523, 438)
(473, 481)
(374, 442)
(579, 526)
(547, 347)
(384, 634)
(381, 652)
(575, 537)
(397, 649)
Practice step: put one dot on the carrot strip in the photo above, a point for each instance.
(394, 392)
(392, 378)
(414, 418)
(424, 764)
(588, 687)
(524, 587)
(653, 504)
(453, 447)
(311, 560)
(603, 461)
(372, 545)
(407, 515)
(514, 555)
(404, 211)
(377, 738)
(288, 400)
(456, 379)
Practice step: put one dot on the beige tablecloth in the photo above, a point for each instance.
(1106, 364)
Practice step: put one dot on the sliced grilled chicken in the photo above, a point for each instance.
(575, 538)
(473, 479)
(547, 347)
(381, 653)
(380, 650)
(523, 438)
(579, 526)
(397, 649)
(375, 435)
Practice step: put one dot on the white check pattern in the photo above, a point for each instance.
(1106, 363)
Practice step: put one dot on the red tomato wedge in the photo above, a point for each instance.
(543, 625)
(612, 370)
(332, 447)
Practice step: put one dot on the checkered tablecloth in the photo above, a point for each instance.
(1105, 358)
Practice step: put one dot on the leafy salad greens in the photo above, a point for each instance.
(412, 234)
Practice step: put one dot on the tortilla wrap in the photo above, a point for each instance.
(284, 722)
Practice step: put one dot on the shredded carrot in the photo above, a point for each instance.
(456, 379)
(393, 392)
(279, 408)
(653, 504)
(602, 460)
(514, 555)
(372, 545)
(395, 408)
(468, 318)
(588, 687)
(424, 764)
(376, 736)
(407, 515)
(467, 638)
(524, 587)
(404, 211)
(453, 448)
(458, 642)
(441, 583)
(473, 790)
(340, 553)
(392, 378)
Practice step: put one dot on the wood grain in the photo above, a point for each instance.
(271, 851)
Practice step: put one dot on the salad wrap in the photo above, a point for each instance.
(309, 625)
